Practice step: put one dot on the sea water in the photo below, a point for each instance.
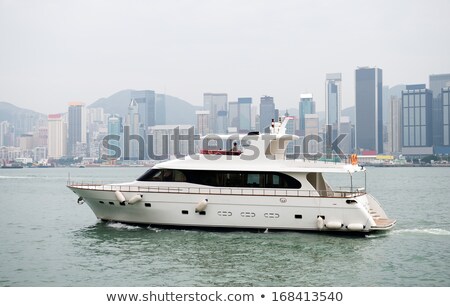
(47, 239)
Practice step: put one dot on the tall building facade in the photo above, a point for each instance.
(417, 119)
(217, 105)
(369, 109)
(312, 133)
(437, 83)
(346, 145)
(164, 145)
(446, 115)
(76, 128)
(233, 114)
(115, 129)
(146, 102)
(266, 113)
(395, 126)
(6, 130)
(57, 136)
(160, 109)
(307, 105)
(333, 101)
(132, 128)
(245, 113)
(202, 122)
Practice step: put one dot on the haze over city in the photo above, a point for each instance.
(54, 52)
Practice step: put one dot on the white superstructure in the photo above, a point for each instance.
(251, 187)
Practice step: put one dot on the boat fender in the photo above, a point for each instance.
(334, 225)
(120, 197)
(201, 205)
(355, 227)
(320, 222)
(135, 199)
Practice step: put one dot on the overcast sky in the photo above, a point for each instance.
(54, 52)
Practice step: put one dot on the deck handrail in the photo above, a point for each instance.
(220, 190)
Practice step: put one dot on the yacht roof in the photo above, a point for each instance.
(237, 163)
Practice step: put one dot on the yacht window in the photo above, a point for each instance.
(254, 180)
(224, 178)
(151, 175)
(163, 175)
(178, 176)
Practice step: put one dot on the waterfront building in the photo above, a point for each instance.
(217, 105)
(306, 105)
(437, 83)
(369, 109)
(202, 122)
(245, 111)
(7, 134)
(312, 134)
(164, 143)
(76, 128)
(57, 136)
(446, 115)
(115, 129)
(395, 126)
(160, 109)
(266, 113)
(146, 105)
(333, 102)
(132, 131)
(346, 129)
(233, 114)
(417, 129)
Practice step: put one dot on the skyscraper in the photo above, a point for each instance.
(146, 103)
(202, 122)
(160, 109)
(132, 131)
(245, 112)
(395, 126)
(266, 113)
(57, 136)
(333, 102)
(217, 105)
(114, 129)
(446, 115)
(437, 83)
(77, 127)
(369, 109)
(233, 114)
(416, 124)
(306, 106)
(312, 132)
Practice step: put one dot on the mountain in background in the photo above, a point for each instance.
(23, 120)
(178, 111)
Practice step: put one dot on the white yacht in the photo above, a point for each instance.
(252, 187)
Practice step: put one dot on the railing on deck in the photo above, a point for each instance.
(220, 191)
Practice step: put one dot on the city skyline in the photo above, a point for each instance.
(83, 51)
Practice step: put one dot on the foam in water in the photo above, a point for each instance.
(122, 226)
(430, 231)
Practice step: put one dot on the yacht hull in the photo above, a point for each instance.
(265, 212)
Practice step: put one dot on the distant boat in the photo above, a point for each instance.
(12, 165)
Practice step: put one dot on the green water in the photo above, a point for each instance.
(46, 239)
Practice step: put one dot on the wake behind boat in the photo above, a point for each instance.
(251, 187)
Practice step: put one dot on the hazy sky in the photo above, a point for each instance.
(54, 52)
